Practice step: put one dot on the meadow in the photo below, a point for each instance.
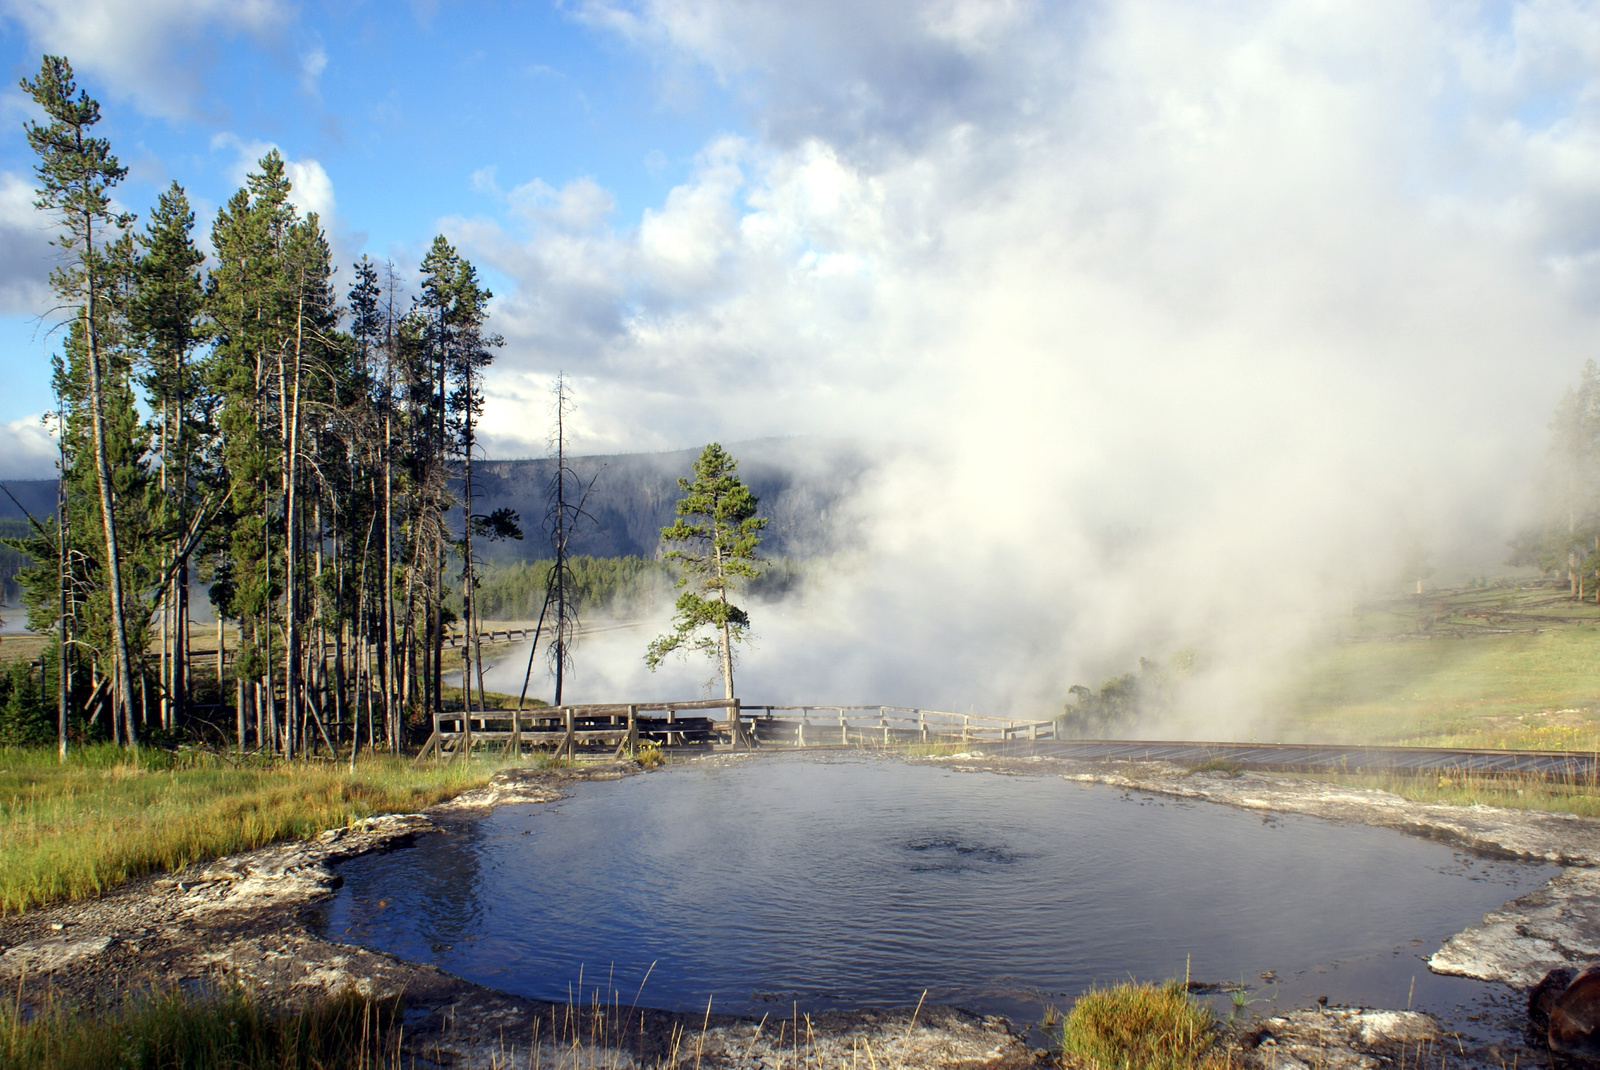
(1511, 666)
(106, 817)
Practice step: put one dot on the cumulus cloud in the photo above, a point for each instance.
(1191, 316)
(25, 253)
(27, 449)
(153, 51)
(875, 77)
(312, 189)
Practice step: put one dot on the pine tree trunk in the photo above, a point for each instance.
(292, 684)
(63, 650)
(391, 695)
(123, 683)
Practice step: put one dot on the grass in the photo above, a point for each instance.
(935, 750)
(1514, 793)
(1141, 1027)
(78, 830)
(1220, 766)
(1428, 672)
(231, 1031)
(22, 647)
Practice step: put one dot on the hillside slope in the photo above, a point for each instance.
(799, 481)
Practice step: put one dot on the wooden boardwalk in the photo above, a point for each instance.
(620, 728)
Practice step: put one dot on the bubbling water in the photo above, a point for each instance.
(860, 881)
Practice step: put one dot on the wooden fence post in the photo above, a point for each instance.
(633, 730)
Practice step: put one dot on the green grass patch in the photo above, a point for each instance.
(1426, 673)
(77, 830)
(936, 750)
(1218, 766)
(1141, 1027)
(1456, 789)
(171, 1031)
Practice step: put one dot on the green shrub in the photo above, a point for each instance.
(1141, 1027)
(25, 719)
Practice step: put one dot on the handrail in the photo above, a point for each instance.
(843, 725)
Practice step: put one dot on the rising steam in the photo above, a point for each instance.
(1180, 327)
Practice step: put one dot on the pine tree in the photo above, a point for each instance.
(76, 173)
(166, 317)
(717, 531)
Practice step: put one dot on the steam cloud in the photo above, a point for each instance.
(1188, 320)
(1178, 324)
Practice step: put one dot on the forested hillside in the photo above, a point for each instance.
(37, 496)
(799, 481)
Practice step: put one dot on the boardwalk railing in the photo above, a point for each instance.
(620, 727)
(805, 726)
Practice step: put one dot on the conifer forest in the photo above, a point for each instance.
(295, 439)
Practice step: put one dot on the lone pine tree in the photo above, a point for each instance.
(715, 536)
(76, 173)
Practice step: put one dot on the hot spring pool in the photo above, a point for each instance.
(854, 881)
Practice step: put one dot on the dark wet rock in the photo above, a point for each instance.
(1542, 997)
(1575, 1015)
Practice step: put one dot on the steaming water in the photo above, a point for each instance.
(862, 881)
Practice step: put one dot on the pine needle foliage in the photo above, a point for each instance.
(715, 539)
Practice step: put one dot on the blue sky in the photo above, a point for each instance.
(414, 114)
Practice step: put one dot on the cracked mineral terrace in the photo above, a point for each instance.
(245, 918)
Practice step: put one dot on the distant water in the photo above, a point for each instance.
(862, 881)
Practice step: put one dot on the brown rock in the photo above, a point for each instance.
(1575, 1015)
(1543, 995)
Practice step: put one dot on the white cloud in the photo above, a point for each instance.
(154, 51)
(311, 188)
(27, 449)
(25, 253)
(312, 63)
(1194, 314)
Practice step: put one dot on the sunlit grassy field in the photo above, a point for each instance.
(68, 832)
(1432, 672)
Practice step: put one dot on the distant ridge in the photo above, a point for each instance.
(38, 496)
(800, 482)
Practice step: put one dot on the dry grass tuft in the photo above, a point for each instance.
(231, 1032)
